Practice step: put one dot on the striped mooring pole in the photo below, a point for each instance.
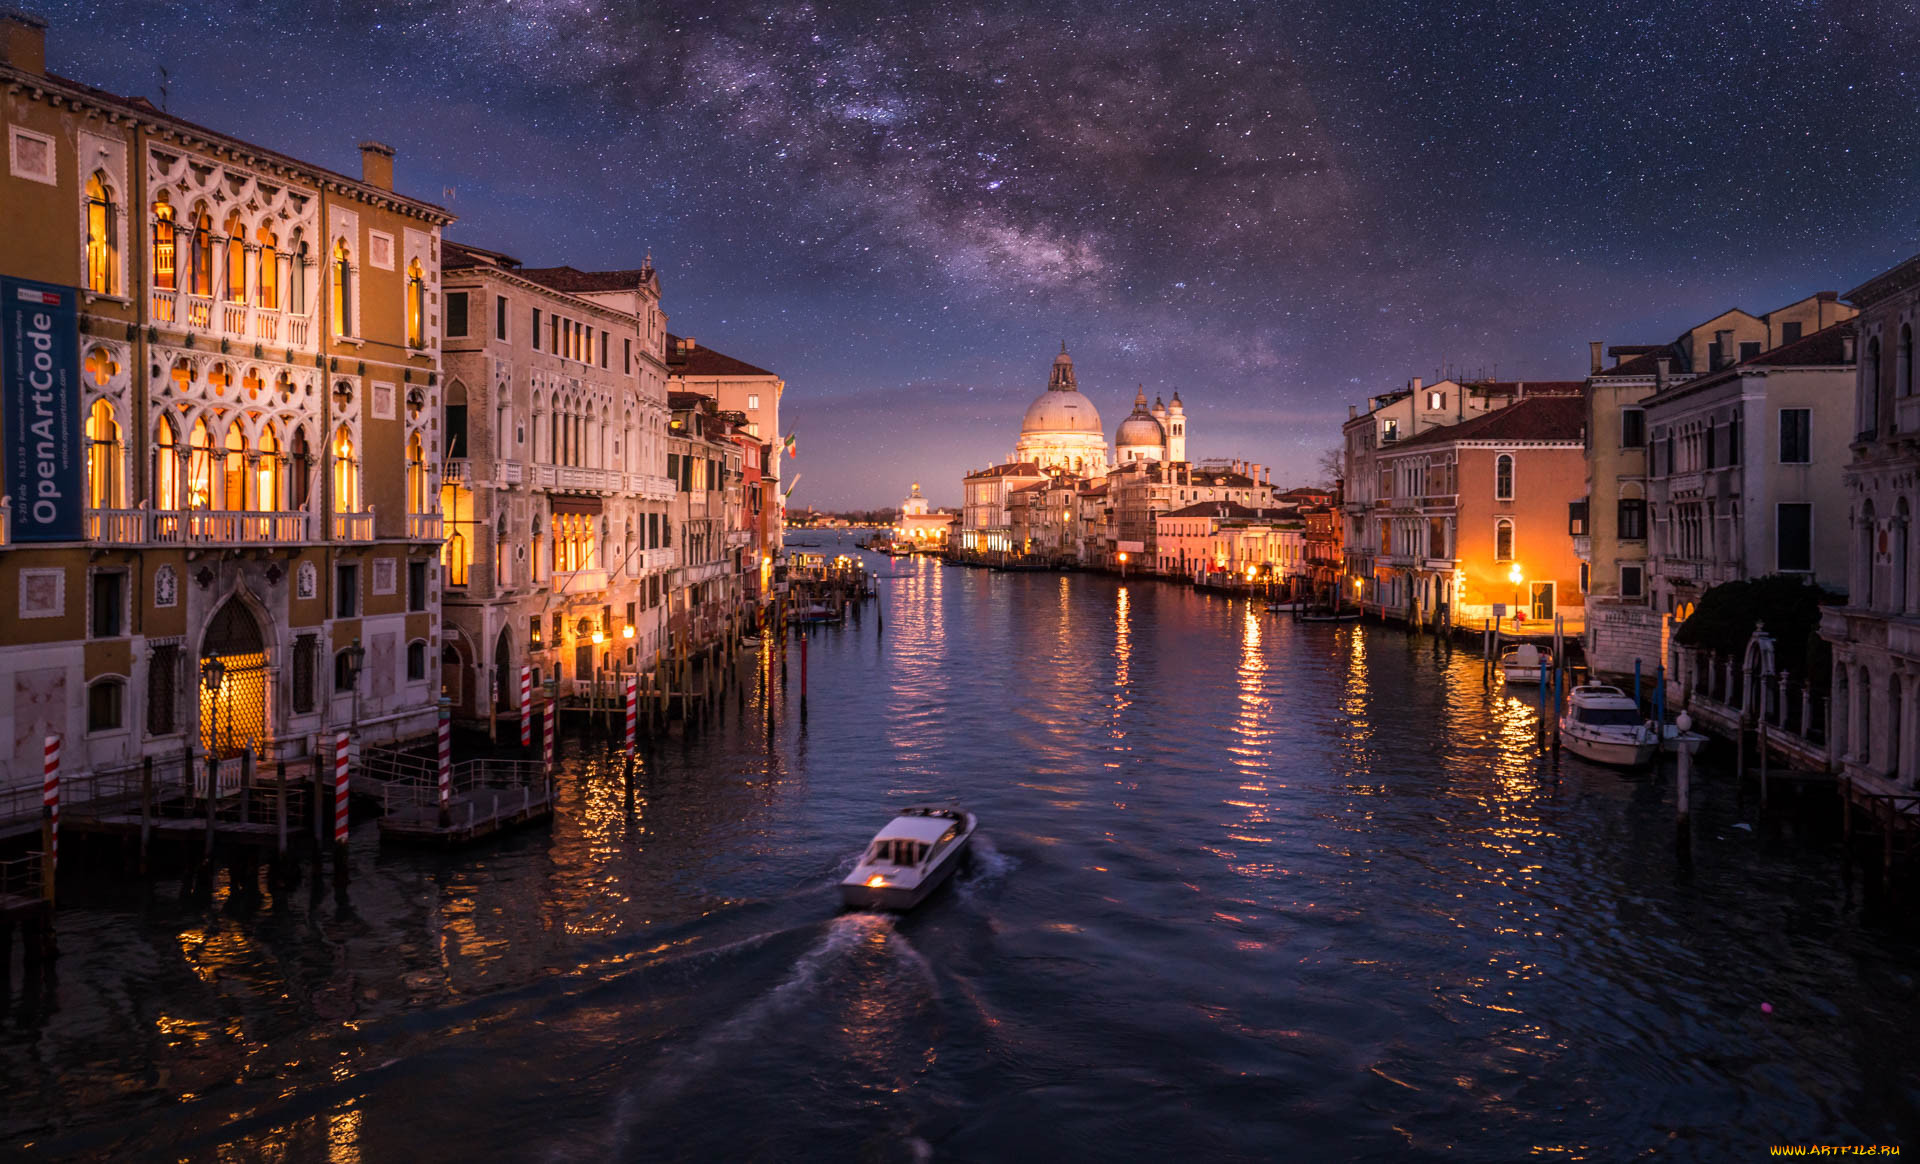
(551, 722)
(526, 707)
(633, 713)
(340, 788)
(446, 753)
(50, 804)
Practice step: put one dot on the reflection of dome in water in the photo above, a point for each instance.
(1061, 408)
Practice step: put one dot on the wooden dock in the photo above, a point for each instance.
(485, 797)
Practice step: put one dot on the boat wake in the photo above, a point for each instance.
(987, 868)
(849, 947)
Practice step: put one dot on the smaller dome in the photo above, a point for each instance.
(1140, 428)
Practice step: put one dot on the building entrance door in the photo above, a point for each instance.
(233, 711)
(1542, 602)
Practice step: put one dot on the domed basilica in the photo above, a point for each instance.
(1062, 431)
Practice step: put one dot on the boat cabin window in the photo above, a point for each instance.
(1608, 716)
(899, 852)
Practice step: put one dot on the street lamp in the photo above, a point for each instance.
(1515, 576)
(213, 675)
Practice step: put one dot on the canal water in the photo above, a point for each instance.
(1245, 890)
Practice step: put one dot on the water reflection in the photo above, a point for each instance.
(1247, 888)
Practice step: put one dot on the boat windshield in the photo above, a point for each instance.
(899, 851)
(1608, 716)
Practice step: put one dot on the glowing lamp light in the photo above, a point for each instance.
(1123, 555)
(878, 879)
(599, 636)
(626, 632)
(1514, 575)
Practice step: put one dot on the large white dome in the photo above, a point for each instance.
(1061, 408)
(1059, 412)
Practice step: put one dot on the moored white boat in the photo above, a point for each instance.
(1603, 724)
(1522, 664)
(909, 858)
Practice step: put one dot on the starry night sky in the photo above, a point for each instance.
(1274, 208)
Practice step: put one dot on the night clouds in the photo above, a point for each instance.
(1273, 208)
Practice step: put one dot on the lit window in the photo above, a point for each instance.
(200, 266)
(346, 473)
(236, 259)
(1503, 477)
(166, 467)
(103, 458)
(267, 295)
(1503, 540)
(416, 306)
(102, 247)
(163, 246)
(342, 288)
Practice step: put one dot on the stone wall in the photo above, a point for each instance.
(1619, 634)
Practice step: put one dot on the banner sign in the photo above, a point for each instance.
(40, 371)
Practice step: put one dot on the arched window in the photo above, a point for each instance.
(200, 467)
(1865, 749)
(200, 260)
(233, 486)
(342, 289)
(416, 475)
(103, 247)
(1903, 363)
(299, 471)
(106, 699)
(236, 259)
(267, 295)
(416, 306)
(1503, 477)
(269, 476)
(456, 418)
(1503, 540)
(166, 466)
(1901, 537)
(416, 660)
(297, 275)
(103, 458)
(163, 244)
(346, 473)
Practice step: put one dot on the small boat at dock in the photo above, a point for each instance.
(911, 856)
(1603, 724)
(1523, 664)
(1329, 616)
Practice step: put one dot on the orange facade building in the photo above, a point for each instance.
(1475, 519)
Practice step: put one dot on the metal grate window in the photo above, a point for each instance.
(306, 653)
(163, 691)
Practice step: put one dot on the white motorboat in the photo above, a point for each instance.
(1278, 607)
(909, 858)
(1522, 664)
(1603, 724)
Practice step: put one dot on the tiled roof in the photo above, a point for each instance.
(1036, 487)
(1535, 418)
(703, 361)
(1826, 346)
(1017, 469)
(1233, 509)
(460, 256)
(572, 279)
(1644, 364)
(1526, 387)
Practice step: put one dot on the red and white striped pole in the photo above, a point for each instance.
(340, 788)
(526, 707)
(633, 713)
(50, 802)
(446, 754)
(552, 725)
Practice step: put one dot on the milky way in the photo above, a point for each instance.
(1275, 209)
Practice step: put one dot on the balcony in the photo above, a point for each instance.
(230, 320)
(739, 538)
(574, 479)
(117, 527)
(454, 470)
(203, 527)
(425, 527)
(650, 487)
(1583, 547)
(577, 582)
(353, 527)
(508, 473)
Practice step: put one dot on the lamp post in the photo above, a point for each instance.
(1123, 564)
(356, 657)
(1516, 577)
(213, 676)
(599, 637)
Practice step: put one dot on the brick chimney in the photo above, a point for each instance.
(1846, 349)
(23, 41)
(376, 164)
(1723, 339)
(1593, 357)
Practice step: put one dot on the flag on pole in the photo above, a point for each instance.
(789, 447)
